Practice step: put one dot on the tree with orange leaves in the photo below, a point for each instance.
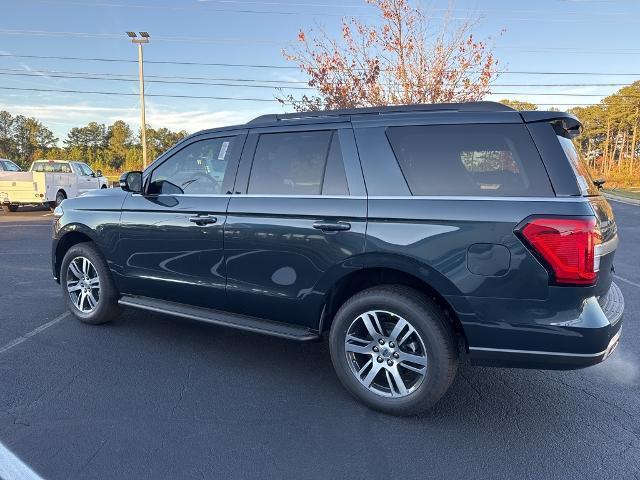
(402, 59)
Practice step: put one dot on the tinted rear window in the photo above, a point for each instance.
(469, 160)
(298, 163)
(583, 177)
(51, 167)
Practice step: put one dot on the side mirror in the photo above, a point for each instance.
(131, 182)
(599, 182)
(98, 173)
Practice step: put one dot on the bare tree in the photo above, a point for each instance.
(403, 58)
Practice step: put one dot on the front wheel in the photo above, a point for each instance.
(10, 208)
(393, 349)
(88, 286)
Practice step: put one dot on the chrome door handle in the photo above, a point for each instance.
(332, 226)
(202, 220)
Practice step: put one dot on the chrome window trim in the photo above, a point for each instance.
(386, 197)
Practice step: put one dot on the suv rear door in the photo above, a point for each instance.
(298, 216)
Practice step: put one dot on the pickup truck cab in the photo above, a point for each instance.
(48, 182)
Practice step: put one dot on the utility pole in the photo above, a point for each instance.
(144, 38)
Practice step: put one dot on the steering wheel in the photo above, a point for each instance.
(196, 177)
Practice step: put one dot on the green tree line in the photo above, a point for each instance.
(111, 148)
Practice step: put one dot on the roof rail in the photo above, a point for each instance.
(429, 107)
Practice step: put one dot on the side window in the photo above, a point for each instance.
(199, 168)
(10, 166)
(469, 160)
(298, 163)
(83, 169)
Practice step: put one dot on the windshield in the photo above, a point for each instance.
(583, 176)
(9, 166)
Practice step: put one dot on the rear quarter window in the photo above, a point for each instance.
(469, 160)
(583, 177)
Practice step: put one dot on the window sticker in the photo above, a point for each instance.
(223, 150)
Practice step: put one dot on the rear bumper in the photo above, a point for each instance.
(585, 340)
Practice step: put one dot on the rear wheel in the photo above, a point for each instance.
(60, 197)
(10, 208)
(88, 286)
(393, 349)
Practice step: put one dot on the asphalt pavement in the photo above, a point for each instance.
(151, 396)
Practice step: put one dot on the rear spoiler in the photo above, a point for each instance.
(564, 124)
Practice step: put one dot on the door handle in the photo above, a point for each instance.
(332, 226)
(202, 220)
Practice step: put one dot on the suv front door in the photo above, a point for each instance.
(297, 218)
(171, 237)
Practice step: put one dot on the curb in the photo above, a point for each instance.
(618, 198)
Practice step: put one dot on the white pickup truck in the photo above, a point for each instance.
(48, 182)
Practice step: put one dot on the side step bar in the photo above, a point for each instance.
(216, 317)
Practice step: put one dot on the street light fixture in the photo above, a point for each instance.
(144, 38)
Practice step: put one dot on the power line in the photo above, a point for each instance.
(96, 92)
(287, 67)
(207, 97)
(171, 82)
(273, 87)
(262, 41)
(119, 76)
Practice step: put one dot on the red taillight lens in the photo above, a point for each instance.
(567, 246)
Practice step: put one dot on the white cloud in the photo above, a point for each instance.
(61, 118)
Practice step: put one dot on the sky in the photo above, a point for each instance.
(568, 36)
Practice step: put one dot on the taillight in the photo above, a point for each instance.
(567, 246)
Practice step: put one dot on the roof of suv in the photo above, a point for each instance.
(370, 112)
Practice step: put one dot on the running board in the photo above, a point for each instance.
(216, 317)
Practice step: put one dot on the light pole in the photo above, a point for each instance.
(144, 38)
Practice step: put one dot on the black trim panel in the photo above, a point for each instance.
(216, 317)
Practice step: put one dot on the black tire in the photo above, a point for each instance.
(60, 197)
(10, 208)
(435, 332)
(107, 307)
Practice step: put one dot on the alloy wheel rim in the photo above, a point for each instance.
(386, 353)
(83, 284)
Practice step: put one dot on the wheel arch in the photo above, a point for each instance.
(63, 191)
(392, 270)
(69, 236)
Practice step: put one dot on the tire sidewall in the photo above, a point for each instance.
(437, 342)
(108, 296)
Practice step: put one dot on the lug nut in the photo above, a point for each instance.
(381, 342)
(380, 360)
(376, 349)
(391, 344)
(395, 355)
(390, 363)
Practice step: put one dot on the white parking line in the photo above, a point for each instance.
(618, 277)
(12, 468)
(27, 225)
(27, 336)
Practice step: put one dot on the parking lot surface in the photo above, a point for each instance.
(151, 396)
